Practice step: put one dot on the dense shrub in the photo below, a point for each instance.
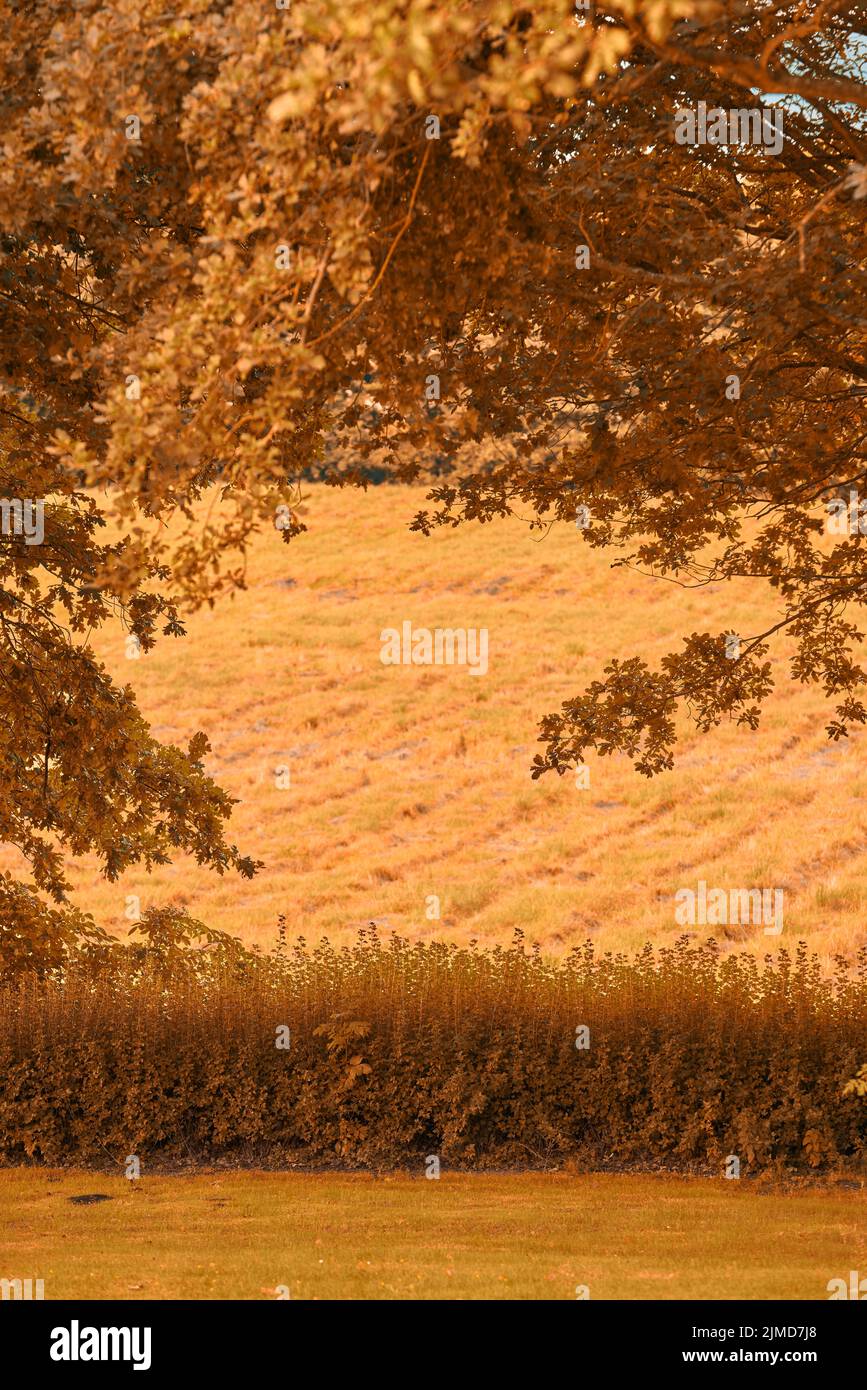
(400, 1051)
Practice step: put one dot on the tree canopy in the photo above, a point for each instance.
(242, 238)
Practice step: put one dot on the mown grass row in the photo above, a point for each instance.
(385, 1054)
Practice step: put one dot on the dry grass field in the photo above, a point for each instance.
(525, 1236)
(405, 782)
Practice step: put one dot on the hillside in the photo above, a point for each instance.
(401, 782)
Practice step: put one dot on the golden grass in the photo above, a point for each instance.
(412, 781)
(530, 1236)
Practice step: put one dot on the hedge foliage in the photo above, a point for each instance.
(400, 1051)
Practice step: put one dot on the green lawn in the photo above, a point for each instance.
(525, 1236)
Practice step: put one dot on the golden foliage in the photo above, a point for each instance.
(231, 252)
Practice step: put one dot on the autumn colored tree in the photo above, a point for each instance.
(604, 262)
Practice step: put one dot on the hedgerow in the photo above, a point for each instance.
(381, 1055)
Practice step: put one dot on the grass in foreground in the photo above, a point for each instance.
(528, 1236)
